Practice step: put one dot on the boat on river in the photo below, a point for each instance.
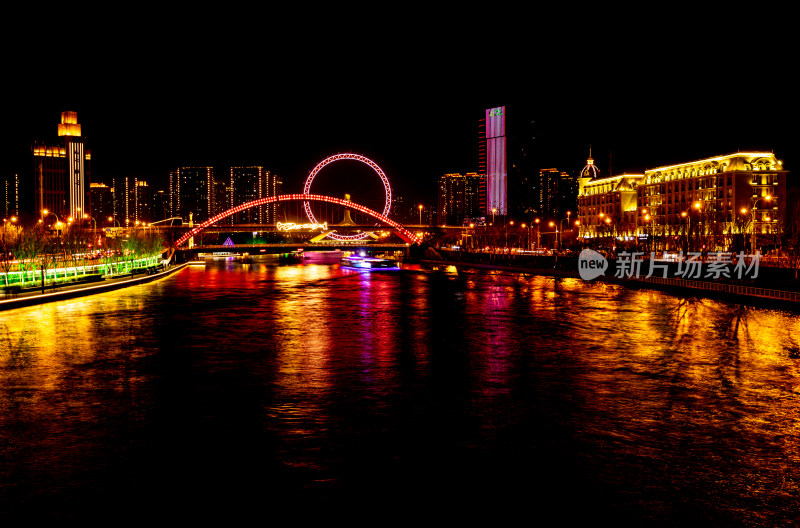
(369, 263)
(292, 257)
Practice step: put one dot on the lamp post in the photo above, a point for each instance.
(94, 224)
(537, 232)
(420, 214)
(57, 225)
(527, 236)
(113, 221)
(561, 226)
(753, 220)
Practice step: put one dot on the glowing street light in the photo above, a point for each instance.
(756, 199)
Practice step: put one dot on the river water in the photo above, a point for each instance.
(272, 392)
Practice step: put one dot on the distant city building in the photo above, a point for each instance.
(549, 180)
(10, 199)
(253, 183)
(459, 198)
(221, 191)
(161, 209)
(132, 201)
(102, 202)
(191, 191)
(62, 172)
(496, 165)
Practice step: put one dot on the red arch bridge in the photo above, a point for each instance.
(403, 233)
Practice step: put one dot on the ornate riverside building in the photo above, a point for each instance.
(606, 205)
(715, 198)
(708, 201)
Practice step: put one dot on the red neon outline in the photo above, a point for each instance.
(347, 156)
(404, 233)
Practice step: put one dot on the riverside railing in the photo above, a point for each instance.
(66, 274)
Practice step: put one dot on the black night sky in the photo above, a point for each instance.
(151, 97)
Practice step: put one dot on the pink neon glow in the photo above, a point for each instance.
(347, 156)
(404, 233)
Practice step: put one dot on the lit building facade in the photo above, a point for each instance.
(253, 183)
(459, 198)
(62, 172)
(496, 164)
(132, 201)
(607, 206)
(102, 202)
(549, 180)
(10, 204)
(191, 190)
(708, 201)
(715, 198)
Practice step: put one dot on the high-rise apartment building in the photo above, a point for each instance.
(557, 192)
(458, 198)
(102, 200)
(9, 201)
(62, 172)
(191, 190)
(132, 201)
(253, 183)
(161, 210)
(549, 180)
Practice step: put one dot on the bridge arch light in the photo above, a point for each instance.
(404, 233)
(347, 156)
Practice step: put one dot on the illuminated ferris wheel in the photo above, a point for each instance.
(347, 156)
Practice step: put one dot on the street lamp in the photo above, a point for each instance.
(753, 220)
(94, 225)
(57, 225)
(420, 214)
(561, 226)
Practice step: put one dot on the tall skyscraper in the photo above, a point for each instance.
(9, 201)
(549, 192)
(558, 191)
(191, 191)
(61, 172)
(458, 198)
(496, 165)
(253, 183)
(102, 202)
(161, 209)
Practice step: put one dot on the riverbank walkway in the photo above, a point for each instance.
(79, 289)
